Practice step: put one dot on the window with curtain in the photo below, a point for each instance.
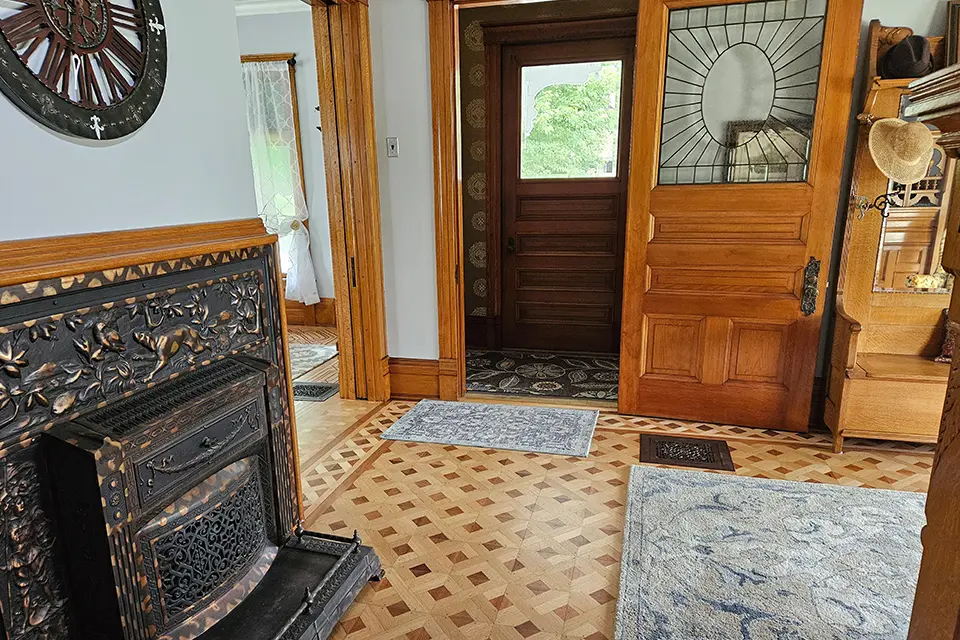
(272, 118)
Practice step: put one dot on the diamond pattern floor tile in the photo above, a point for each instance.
(483, 543)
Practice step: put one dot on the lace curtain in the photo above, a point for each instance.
(276, 172)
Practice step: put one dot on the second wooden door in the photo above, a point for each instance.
(736, 173)
(566, 134)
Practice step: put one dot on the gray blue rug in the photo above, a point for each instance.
(306, 357)
(719, 557)
(566, 432)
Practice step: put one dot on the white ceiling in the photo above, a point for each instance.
(257, 7)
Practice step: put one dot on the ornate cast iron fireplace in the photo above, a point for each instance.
(148, 483)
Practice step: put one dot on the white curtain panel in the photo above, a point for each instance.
(276, 172)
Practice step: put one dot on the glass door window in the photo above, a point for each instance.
(570, 120)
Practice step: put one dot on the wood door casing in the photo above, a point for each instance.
(562, 239)
(714, 274)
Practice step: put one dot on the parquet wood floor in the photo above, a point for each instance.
(484, 543)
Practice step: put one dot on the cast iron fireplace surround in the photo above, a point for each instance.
(147, 475)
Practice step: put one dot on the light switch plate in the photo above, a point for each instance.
(393, 148)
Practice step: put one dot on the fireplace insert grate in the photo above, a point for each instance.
(130, 413)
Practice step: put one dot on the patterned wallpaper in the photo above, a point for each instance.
(474, 120)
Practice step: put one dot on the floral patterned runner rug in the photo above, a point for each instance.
(567, 432)
(543, 374)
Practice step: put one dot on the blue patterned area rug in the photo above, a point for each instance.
(720, 557)
(567, 432)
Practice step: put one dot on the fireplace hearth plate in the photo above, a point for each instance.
(328, 570)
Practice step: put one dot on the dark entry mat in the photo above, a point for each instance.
(686, 452)
(314, 391)
(536, 373)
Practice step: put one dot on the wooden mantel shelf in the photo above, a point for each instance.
(42, 258)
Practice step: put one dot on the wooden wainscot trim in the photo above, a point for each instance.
(326, 312)
(413, 379)
(44, 258)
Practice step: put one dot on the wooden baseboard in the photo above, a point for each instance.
(324, 313)
(412, 379)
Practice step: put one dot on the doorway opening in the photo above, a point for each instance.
(546, 107)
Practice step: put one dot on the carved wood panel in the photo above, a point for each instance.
(674, 346)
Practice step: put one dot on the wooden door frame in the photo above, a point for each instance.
(448, 187)
(342, 40)
(496, 37)
(444, 71)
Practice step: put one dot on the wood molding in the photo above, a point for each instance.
(560, 30)
(268, 57)
(342, 38)
(412, 379)
(43, 258)
(326, 312)
(321, 314)
(447, 193)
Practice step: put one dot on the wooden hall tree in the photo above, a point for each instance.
(732, 208)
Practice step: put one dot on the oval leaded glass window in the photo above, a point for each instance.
(741, 92)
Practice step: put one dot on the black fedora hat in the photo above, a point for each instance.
(910, 58)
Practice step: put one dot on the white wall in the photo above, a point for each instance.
(401, 90)
(293, 33)
(189, 163)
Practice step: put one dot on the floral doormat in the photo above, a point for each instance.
(543, 374)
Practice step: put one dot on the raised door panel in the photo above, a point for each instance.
(587, 280)
(552, 313)
(568, 244)
(674, 347)
(569, 209)
(758, 352)
(720, 279)
(681, 226)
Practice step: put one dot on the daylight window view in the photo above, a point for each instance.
(570, 120)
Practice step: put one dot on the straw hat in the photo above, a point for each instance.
(902, 150)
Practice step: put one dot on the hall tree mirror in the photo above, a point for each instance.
(914, 231)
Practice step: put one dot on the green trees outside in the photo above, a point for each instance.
(575, 129)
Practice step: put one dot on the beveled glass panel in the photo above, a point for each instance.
(741, 92)
(570, 120)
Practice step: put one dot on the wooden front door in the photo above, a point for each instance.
(736, 164)
(565, 126)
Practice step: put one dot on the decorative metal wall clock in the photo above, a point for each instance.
(86, 68)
